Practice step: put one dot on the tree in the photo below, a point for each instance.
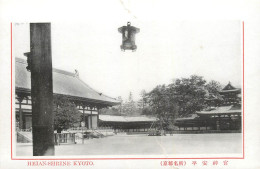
(120, 106)
(115, 110)
(66, 113)
(161, 105)
(129, 107)
(213, 87)
(130, 97)
(181, 98)
(143, 100)
(189, 94)
(213, 97)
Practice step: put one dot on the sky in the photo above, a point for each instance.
(166, 50)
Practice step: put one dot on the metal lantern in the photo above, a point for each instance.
(128, 37)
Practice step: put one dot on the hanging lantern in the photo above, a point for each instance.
(128, 37)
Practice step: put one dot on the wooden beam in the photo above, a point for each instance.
(42, 89)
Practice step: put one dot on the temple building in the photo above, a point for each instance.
(223, 112)
(231, 95)
(87, 100)
(127, 123)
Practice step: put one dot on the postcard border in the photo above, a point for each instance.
(243, 126)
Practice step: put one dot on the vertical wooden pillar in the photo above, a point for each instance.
(206, 124)
(235, 124)
(84, 119)
(20, 113)
(218, 123)
(230, 122)
(91, 117)
(42, 89)
(98, 109)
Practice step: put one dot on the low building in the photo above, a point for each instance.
(68, 84)
(223, 112)
(126, 123)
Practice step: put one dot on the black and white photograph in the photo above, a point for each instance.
(152, 88)
(129, 84)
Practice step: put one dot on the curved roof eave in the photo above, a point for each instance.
(64, 83)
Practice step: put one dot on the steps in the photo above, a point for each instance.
(24, 137)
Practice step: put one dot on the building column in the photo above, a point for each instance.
(206, 124)
(20, 115)
(20, 100)
(218, 123)
(91, 117)
(42, 89)
(84, 119)
(230, 122)
(98, 109)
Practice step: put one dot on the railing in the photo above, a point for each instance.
(67, 138)
(23, 130)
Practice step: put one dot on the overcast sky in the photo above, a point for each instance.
(165, 50)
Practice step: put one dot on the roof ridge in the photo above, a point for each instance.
(64, 83)
(63, 72)
(229, 86)
(23, 61)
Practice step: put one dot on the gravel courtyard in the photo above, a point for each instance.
(224, 143)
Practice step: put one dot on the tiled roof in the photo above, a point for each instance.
(233, 90)
(221, 110)
(65, 83)
(192, 117)
(229, 88)
(110, 118)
